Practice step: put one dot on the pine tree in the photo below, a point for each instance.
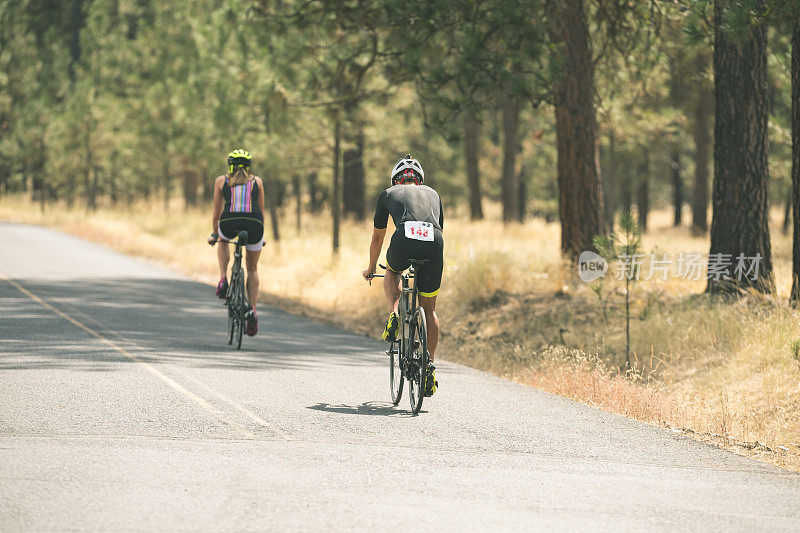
(739, 227)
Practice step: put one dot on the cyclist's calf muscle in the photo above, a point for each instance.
(392, 289)
(428, 303)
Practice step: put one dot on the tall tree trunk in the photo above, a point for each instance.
(298, 194)
(91, 203)
(206, 185)
(4, 173)
(471, 149)
(189, 186)
(522, 196)
(625, 184)
(677, 186)
(795, 295)
(510, 142)
(37, 188)
(91, 189)
(610, 182)
(279, 189)
(702, 145)
(167, 181)
(69, 195)
(95, 187)
(643, 190)
(42, 185)
(580, 200)
(75, 26)
(787, 213)
(113, 188)
(676, 97)
(314, 194)
(335, 201)
(739, 225)
(353, 179)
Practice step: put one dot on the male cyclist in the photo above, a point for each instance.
(239, 206)
(414, 208)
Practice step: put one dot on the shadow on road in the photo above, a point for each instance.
(158, 320)
(366, 408)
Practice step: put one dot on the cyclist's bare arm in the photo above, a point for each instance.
(217, 204)
(374, 251)
(260, 194)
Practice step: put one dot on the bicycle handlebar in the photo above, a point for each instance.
(375, 276)
(240, 241)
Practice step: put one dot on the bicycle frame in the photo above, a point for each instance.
(237, 302)
(406, 305)
(412, 368)
(408, 320)
(237, 272)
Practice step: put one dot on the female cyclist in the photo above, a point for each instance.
(239, 205)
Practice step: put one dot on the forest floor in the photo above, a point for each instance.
(725, 372)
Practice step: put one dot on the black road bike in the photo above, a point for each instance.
(408, 355)
(236, 298)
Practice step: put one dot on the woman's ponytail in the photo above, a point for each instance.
(239, 177)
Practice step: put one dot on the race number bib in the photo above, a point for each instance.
(419, 231)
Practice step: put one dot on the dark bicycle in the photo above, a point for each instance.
(236, 298)
(408, 355)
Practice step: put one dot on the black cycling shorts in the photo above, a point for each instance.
(230, 227)
(401, 249)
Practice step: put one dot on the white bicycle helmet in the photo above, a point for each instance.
(407, 168)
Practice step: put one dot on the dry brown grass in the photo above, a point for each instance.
(725, 372)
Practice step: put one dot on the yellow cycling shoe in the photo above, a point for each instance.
(430, 381)
(390, 331)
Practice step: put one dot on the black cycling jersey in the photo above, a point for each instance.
(409, 202)
(241, 200)
(242, 212)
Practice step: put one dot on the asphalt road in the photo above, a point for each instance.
(123, 408)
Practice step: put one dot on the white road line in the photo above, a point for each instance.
(208, 407)
(207, 388)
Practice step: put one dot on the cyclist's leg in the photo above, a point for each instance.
(397, 255)
(251, 259)
(255, 235)
(223, 256)
(391, 288)
(428, 303)
(397, 261)
(429, 279)
(223, 253)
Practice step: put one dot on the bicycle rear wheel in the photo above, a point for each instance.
(417, 360)
(395, 372)
(233, 307)
(231, 319)
(240, 325)
(241, 314)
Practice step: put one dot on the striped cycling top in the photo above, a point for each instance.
(241, 199)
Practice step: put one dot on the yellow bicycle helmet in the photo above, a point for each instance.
(239, 158)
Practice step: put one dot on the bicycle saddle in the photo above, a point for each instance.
(242, 237)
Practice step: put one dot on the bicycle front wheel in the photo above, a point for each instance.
(417, 360)
(395, 372)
